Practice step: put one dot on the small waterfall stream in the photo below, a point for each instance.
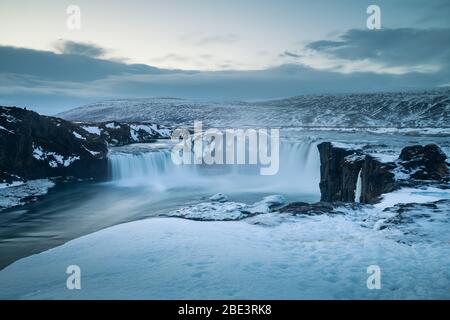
(358, 190)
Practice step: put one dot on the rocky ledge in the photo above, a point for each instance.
(34, 147)
(352, 175)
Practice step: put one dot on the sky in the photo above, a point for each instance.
(220, 49)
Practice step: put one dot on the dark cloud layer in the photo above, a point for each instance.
(438, 11)
(64, 67)
(390, 47)
(289, 54)
(82, 49)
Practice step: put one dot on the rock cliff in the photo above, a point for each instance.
(34, 146)
(341, 167)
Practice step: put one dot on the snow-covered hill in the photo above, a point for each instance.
(418, 109)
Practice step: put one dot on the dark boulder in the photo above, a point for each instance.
(424, 162)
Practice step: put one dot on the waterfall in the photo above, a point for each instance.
(299, 172)
(153, 169)
(358, 190)
(300, 166)
(136, 166)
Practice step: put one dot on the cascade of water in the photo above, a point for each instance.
(299, 171)
(154, 169)
(136, 166)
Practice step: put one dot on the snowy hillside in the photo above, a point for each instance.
(403, 109)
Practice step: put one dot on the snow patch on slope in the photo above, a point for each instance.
(92, 129)
(54, 159)
(78, 136)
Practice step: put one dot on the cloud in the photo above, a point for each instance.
(172, 57)
(52, 96)
(51, 83)
(404, 49)
(436, 13)
(65, 67)
(228, 38)
(288, 54)
(79, 48)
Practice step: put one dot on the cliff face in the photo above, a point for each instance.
(377, 177)
(340, 168)
(424, 162)
(34, 146)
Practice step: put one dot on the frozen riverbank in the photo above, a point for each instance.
(292, 258)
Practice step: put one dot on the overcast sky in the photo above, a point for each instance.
(236, 49)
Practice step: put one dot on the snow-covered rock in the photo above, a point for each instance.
(226, 210)
(267, 204)
(219, 197)
(19, 192)
(211, 211)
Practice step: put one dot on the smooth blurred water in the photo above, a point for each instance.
(299, 172)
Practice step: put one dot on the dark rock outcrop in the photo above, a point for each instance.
(377, 177)
(341, 167)
(34, 146)
(318, 208)
(339, 170)
(308, 208)
(424, 162)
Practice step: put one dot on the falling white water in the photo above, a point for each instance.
(153, 169)
(135, 166)
(299, 172)
(358, 190)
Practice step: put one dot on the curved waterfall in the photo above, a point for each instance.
(299, 171)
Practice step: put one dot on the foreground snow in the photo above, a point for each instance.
(271, 256)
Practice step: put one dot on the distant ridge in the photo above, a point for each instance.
(415, 109)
